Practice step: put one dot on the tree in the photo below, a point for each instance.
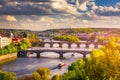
(1, 51)
(66, 38)
(7, 76)
(36, 76)
(103, 64)
(56, 77)
(44, 73)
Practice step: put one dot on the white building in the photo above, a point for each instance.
(4, 41)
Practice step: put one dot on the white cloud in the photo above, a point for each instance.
(92, 4)
(10, 18)
(83, 6)
(63, 6)
(85, 21)
(117, 5)
(57, 5)
(92, 16)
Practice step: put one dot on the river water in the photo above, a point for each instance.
(23, 66)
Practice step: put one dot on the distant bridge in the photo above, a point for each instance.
(60, 44)
(78, 44)
(61, 52)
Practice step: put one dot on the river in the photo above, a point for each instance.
(23, 66)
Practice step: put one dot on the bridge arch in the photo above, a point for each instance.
(82, 45)
(31, 54)
(73, 45)
(91, 45)
(72, 54)
(47, 40)
(56, 45)
(46, 45)
(65, 45)
(49, 54)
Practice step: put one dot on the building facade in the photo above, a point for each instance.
(4, 41)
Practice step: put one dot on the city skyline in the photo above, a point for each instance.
(54, 14)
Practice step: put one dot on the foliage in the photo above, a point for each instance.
(40, 74)
(25, 43)
(33, 37)
(36, 76)
(8, 49)
(85, 30)
(44, 73)
(7, 76)
(103, 64)
(66, 38)
(56, 77)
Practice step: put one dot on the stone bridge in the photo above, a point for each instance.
(78, 44)
(61, 52)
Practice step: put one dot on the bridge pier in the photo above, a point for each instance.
(51, 45)
(84, 55)
(38, 55)
(21, 54)
(78, 45)
(96, 45)
(61, 55)
(42, 44)
(60, 45)
(87, 46)
(69, 45)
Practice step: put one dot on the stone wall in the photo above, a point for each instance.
(8, 57)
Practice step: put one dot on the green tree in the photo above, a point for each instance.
(66, 38)
(103, 64)
(1, 51)
(7, 76)
(56, 77)
(44, 73)
(36, 76)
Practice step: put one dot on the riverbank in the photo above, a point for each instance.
(8, 57)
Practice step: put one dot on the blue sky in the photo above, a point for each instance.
(106, 2)
(55, 14)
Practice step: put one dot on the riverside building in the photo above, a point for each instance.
(4, 41)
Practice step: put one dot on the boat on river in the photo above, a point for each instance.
(62, 65)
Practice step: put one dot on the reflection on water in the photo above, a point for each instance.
(28, 65)
(49, 59)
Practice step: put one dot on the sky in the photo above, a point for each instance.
(55, 14)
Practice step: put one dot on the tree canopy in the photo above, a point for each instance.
(103, 64)
(66, 38)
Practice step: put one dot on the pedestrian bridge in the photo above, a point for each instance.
(61, 52)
